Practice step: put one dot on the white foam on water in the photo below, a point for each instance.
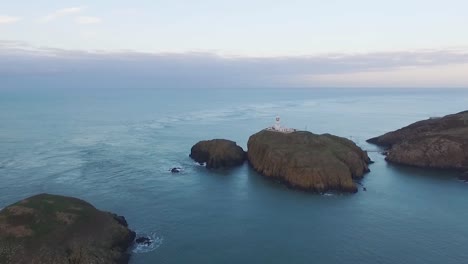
(87, 140)
(67, 176)
(156, 242)
(200, 164)
(327, 194)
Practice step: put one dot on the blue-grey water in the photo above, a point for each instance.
(114, 148)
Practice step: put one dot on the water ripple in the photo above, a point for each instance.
(155, 242)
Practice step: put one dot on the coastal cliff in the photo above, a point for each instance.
(308, 161)
(434, 143)
(57, 229)
(218, 153)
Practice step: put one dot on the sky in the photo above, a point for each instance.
(297, 43)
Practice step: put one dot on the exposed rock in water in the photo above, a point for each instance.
(433, 143)
(218, 153)
(308, 161)
(176, 170)
(57, 229)
(144, 241)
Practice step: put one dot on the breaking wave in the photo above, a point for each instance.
(156, 242)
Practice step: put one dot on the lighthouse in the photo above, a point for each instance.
(278, 128)
(277, 125)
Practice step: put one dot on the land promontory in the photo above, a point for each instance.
(57, 229)
(308, 161)
(218, 153)
(439, 142)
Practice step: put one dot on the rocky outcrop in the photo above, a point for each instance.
(175, 170)
(434, 143)
(308, 161)
(218, 153)
(146, 241)
(56, 229)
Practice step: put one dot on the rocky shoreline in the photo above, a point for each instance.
(299, 159)
(218, 153)
(49, 228)
(437, 143)
(307, 161)
(321, 163)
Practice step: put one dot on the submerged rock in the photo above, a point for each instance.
(433, 143)
(218, 153)
(308, 161)
(57, 229)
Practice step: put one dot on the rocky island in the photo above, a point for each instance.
(218, 153)
(57, 229)
(308, 161)
(440, 143)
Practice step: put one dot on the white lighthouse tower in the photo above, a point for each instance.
(278, 128)
(277, 125)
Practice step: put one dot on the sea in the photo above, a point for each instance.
(114, 148)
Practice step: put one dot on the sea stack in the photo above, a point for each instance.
(307, 161)
(57, 229)
(438, 142)
(218, 153)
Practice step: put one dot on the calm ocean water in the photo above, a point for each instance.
(114, 148)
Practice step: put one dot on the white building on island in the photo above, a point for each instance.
(278, 128)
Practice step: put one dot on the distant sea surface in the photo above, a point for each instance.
(114, 148)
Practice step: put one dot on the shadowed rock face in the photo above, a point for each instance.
(57, 229)
(434, 143)
(218, 153)
(308, 161)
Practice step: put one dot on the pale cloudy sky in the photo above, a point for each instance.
(374, 43)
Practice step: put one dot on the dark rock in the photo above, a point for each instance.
(308, 161)
(121, 220)
(144, 241)
(218, 153)
(57, 229)
(433, 143)
(176, 170)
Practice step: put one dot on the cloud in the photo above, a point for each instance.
(449, 75)
(86, 20)
(9, 19)
(197, 69)
(62, 13)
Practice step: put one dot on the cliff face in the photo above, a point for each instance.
(218, 153)
(433, 143)
(57, 229)
(308, 161)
